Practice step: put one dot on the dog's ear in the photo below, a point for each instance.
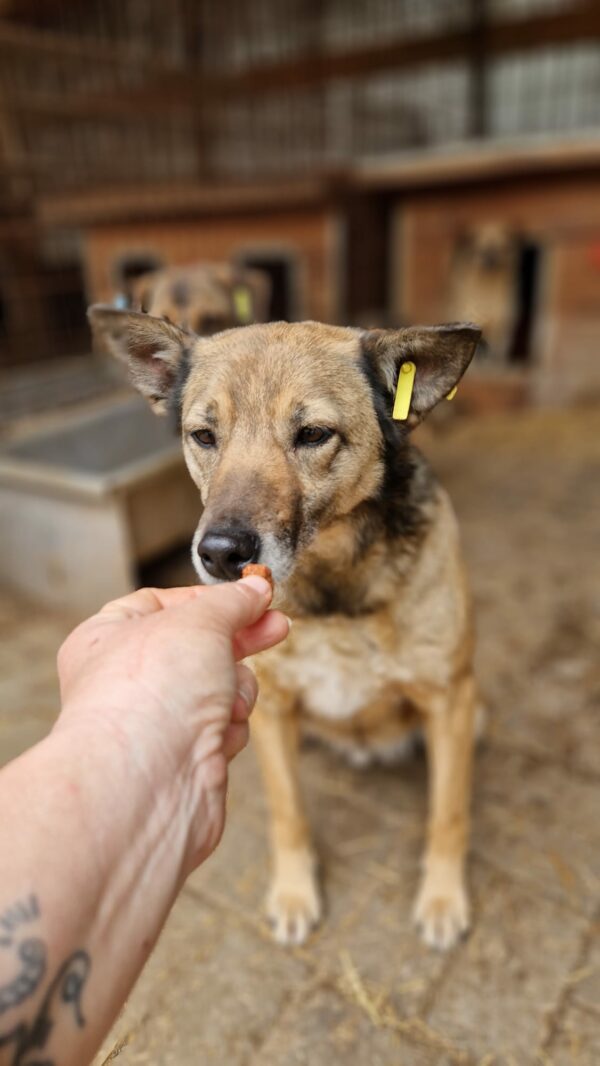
(151, 348)
(141, 290)
(441, 355)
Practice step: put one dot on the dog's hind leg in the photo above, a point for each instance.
(442, 907)
(294, 903)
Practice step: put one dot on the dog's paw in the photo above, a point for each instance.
(294, 900)
(442, 911)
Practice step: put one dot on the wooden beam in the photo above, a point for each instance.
(22, 9)
(16, 39)
(490, 161)
(183, 199)
(125, 106)
(484, 163)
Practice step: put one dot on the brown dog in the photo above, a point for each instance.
(483, 285)
(203, 297)
(287, 432)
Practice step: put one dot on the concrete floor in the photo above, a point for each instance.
(525, 987)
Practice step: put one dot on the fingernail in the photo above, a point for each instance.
(289, 621)
(246, 695)
(259, 583)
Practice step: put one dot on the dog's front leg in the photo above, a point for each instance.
(442, 907)
(294, 903)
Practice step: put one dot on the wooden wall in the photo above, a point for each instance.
(562, 215)
(314, 235)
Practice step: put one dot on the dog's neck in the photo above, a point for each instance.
(353, 566)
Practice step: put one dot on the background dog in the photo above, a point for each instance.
(483, 281)
(287, 432)
(203, 297)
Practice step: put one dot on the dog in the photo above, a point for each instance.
(288, 433)
(483, 285)
(204, 298)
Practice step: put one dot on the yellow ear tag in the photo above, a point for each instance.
(452, 393)
(242, 304)
(404, 389)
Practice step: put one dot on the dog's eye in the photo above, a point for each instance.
(205, 438)
(312, 436)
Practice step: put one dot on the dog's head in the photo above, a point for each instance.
(286, 427)
(490, 247)
(204, 298)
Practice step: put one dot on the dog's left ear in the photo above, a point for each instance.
(441, 355)
(151, 348)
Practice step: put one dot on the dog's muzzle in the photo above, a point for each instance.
(225, 552)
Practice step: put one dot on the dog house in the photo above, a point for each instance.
(84, 503)
(292, 231)
(548, 199)
(376, 245)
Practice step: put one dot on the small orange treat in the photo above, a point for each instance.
(259, 570)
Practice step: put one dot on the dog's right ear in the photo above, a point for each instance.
(151, 348)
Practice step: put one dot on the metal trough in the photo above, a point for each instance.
(83, 504)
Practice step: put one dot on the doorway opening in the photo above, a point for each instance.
(526, 296)
(133, 266)
(280, 270)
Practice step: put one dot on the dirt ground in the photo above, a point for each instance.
(525, 987)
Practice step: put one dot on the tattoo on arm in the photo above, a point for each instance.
(30, 951)
(64, 990)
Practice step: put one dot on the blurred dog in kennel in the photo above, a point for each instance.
(482, 285)
(203, 298)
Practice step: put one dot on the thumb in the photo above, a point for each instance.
(234, 606)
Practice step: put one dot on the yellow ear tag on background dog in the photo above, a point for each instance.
(242, 304)
(404, 389)
(452, 393)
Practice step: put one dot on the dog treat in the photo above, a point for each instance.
(259, 570)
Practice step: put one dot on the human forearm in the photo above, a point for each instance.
(101, 822)
(93, 856)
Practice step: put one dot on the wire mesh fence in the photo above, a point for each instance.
(135, 93)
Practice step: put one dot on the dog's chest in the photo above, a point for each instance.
(340, 666)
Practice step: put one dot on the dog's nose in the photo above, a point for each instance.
(224, 553)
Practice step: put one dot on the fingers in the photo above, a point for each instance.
(235, 605)
(247, 691)
(148, 601)
(270, 630)
(235, 739)
(237, 733)
(239, 609)
(238, 604)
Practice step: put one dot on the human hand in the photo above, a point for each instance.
(159, 672)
